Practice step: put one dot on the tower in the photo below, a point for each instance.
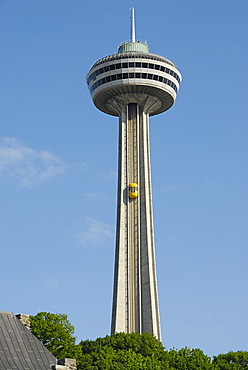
(134, 85)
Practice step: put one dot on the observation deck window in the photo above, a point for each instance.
(132, 75)
(112, 67)
(119, 76)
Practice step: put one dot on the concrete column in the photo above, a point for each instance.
(135, 300)
(120, 317)
(149, 293)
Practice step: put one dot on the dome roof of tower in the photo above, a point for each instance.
(138, 47)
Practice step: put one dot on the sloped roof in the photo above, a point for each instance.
(19, 348)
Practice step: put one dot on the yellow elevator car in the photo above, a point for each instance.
(133, 190)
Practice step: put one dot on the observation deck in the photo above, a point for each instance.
(131, 76)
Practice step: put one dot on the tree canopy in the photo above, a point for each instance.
(232, 361)
(56, 333)
(139, 351)
(125, 351)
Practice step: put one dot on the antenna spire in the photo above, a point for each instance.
(132, 26)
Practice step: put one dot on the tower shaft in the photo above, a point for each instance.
(135, 301)
(134, 85)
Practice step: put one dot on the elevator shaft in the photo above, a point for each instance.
(135, 302)
(133, 220)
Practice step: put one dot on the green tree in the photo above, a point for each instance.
(139, 352)
(232, 361)
(144, 344)
(125, 351)
(187, 359)
(122, 352)
(106, 357)
(56, 333)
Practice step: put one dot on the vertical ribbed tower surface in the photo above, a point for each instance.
(134, 84)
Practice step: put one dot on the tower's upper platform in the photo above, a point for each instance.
(132, 76)
(134, 47)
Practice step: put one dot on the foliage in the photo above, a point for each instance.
(56, 333)
(144, 352)
(125, 351)
(188, 359)
(137, 352)
(232, 361)
(144, 344)
(122, 351)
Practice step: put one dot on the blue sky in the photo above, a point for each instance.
(59, 164)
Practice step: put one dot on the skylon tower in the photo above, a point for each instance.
(133, 85)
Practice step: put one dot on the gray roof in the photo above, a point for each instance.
(19, 348)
